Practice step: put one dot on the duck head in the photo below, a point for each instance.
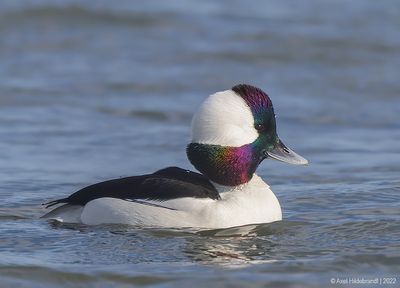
(233, 132)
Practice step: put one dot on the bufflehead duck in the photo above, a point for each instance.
(232, 133)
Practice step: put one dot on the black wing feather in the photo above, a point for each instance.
(165, 184)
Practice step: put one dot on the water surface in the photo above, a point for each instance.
(92, 91)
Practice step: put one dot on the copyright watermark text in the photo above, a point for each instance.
(364, 280)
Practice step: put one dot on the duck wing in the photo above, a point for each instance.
(166, 184)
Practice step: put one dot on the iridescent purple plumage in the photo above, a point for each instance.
(254, 97)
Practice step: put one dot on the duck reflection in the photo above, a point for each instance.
(234, 247)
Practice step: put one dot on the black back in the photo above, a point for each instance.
(166, 184)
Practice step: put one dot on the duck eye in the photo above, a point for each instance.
(259, 127)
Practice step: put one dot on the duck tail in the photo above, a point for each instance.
(55, 202)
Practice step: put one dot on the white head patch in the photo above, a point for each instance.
(224, 119)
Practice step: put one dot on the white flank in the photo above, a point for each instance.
(249, 203)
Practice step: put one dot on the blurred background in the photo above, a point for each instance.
(92, 90)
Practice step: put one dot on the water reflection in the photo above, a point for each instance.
(237, 246)
(231, 247)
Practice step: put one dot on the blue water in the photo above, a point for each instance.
(91, 91)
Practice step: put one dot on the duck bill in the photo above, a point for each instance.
(282, 153)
